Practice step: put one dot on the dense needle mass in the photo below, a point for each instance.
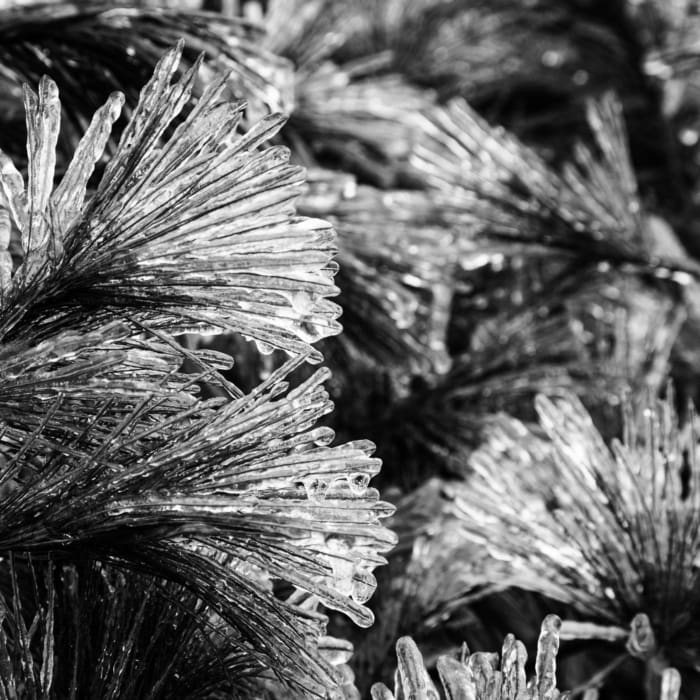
(233, 515)
(613, 532)
(502, 197)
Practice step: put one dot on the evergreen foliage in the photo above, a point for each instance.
(503, 196)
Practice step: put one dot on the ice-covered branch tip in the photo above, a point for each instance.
(508, 195)
(192, 225)
(596, 527)
(92, 48)
(480, 676)
(483, 676)
(395, 270)
(221, 499)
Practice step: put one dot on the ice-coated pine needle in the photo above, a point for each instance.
(194, 229)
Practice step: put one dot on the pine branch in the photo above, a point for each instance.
(249, 480)
(610, 532)
(196, 233)
(480, 675)
(108, 455)
(483, 676)
(92, 49)
(503, 193)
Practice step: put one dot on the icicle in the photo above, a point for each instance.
(670, 684)
(546, 660)
(5, 257)
(43, 122)
(69, 195)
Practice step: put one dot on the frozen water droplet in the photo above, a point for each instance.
(689, 137)
(580, 77)
(263, 347)
(343, 570)
(323, 437)
(552, 58)
(316, 489)
(358, 483)
(303, 302)
(363, 586)
(335, 651)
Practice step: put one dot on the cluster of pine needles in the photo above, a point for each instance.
(342, 341)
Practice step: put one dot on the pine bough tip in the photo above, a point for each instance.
(191, 227)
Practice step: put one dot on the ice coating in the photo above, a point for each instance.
(546, 660)
(670, 684)
(5, 257)
(43, 122)
(69, 196)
